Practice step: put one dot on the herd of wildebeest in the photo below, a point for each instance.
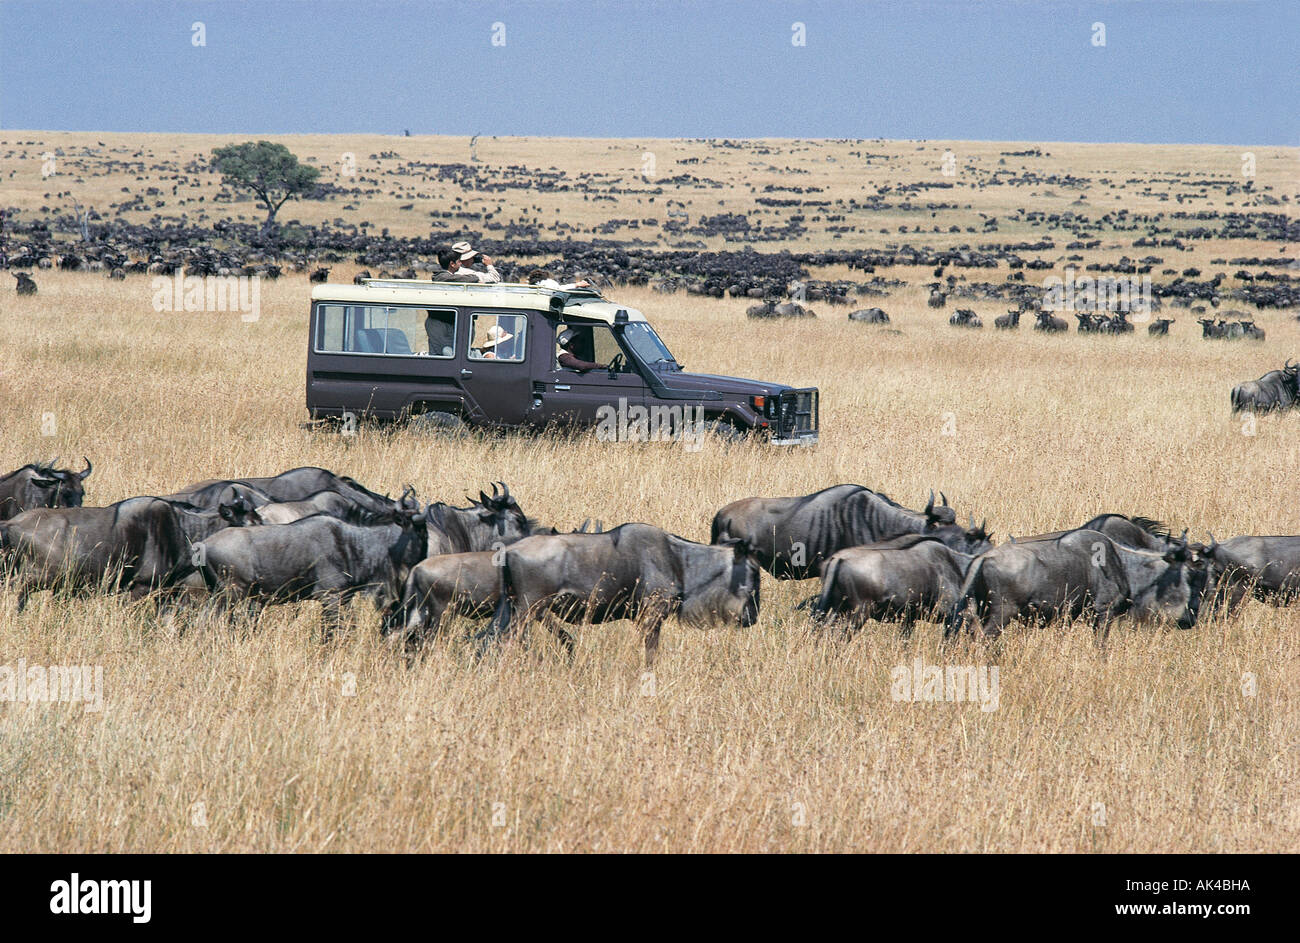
(220, 547)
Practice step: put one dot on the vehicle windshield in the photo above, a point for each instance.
(645, 343)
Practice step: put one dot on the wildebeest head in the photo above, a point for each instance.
(409, 549)
(1180, 591)
(500, 512)
(942, 514)
(236, 510)
(408, 503)
(735, 596)
(42, 486)
(976, 539)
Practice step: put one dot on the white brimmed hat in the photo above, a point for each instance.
(497, 335)
(464, 250)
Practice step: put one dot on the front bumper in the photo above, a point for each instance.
(797, 417)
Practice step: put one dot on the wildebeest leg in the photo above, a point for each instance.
(331, 619)
(25, 590)
(560, 632)
(652, 619)
(909, 621)
(424, 620)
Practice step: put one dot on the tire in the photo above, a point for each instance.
(437, 422)
(723, 433)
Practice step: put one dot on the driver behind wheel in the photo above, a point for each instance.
(567, 358)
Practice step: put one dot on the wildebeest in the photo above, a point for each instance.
(318, 557)
(322, 502)
(635, 571)
(869, 316)
(296, 484)
(42, 486)
(791, 537)
(905, 578)
(1160, 326)
(25, 284)
(137, 545)
(1007, 322)
(1046, 321)
(1269, 566)
(937, 299)
(465, 583)
(488, 523)
(1082, 571)
(1277, 389)
(1142, 533)
(319, 275)
(965, 317)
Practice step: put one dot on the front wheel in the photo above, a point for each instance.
(723, 433)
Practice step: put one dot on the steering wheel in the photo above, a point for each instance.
(616, 365)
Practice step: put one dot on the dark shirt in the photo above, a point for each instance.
(440, 334)
(445, 276)
(571, 362)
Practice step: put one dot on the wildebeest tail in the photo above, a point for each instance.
(505, 605)
(974, 588)
(821, 605)
(715, 531)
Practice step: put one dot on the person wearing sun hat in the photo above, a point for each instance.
(496, 336)
(467, 256)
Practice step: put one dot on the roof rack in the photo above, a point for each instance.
(520, 287)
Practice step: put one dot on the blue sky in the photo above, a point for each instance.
(1193, 71)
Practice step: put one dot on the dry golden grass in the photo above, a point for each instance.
(763, 739)
(749, 732)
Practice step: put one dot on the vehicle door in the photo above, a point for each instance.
(496, 376)
(584, 397)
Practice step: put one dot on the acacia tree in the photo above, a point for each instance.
(269, 170)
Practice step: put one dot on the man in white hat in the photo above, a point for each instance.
(467, 256)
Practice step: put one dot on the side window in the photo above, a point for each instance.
(369, 329)
(432, 330)
(592, 342)
(497, 336)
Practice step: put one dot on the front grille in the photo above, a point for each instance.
(797, 412)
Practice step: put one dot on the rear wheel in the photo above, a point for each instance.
(438, 422)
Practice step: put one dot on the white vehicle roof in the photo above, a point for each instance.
(579, 303)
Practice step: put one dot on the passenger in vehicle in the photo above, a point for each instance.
(470, 257)
(449, 259)
(569, 360)
(496, 337)
(544, 279)
(440, 328)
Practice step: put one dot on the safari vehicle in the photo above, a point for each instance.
(454, 355)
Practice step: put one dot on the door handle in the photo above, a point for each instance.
(466, 373)
(561, 386)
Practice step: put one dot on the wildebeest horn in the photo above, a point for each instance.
(929, 506)
(944, 497)
(972, 520)
(85, 474)
(482, 498)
